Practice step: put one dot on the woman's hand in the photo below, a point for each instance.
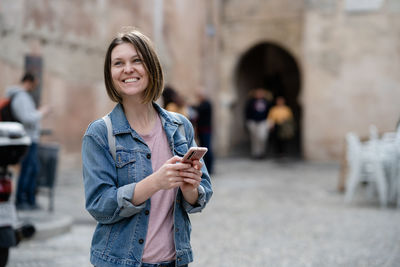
(191, 181)
(169, 175)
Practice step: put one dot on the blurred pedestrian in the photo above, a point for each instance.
(203, 127)
(281, 123)
(174, 102)
(141, 197)
(24, 109)
(257, 108)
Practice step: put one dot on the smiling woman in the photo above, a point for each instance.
(141, 197)
(128, 71)
(144, 54)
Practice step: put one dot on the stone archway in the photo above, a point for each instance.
(270, 66)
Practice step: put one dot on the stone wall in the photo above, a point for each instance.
(72, 37)
(348, 58)
(351, 65)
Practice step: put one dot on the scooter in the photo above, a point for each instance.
(14, 143)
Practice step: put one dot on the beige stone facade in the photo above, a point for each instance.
(351, 62)
(337, 62)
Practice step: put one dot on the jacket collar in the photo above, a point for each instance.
(121, 125)
(166, 117)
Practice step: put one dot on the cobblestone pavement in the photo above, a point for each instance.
(262, 213)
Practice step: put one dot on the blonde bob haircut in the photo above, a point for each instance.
(147, 54)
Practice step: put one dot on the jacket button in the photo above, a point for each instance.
(141, 241)
(148, 156)
(147, 212)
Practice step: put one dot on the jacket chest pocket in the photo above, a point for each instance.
(181, 148)
(126, 167)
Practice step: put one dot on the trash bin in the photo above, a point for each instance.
(48, 157)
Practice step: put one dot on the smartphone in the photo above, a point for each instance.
(194, 153)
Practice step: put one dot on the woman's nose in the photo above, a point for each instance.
(128, 68)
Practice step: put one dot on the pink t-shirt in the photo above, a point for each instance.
(160, 245)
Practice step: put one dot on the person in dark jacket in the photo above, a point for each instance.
(204, 127)
(257, 108)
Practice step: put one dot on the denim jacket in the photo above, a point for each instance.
(120, 235)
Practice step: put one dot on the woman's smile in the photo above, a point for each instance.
(131, 80)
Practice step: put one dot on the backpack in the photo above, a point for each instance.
(6, 113)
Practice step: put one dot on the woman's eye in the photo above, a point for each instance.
(117, 63)
(137, 60)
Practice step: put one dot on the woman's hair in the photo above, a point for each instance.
(147, 54)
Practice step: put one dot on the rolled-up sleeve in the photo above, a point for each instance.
(201, 202)
(124, 198)
(204, 189)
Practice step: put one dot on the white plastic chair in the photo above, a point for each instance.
(392, 149)
(389, 149)
(395, 171)
(365, 164)
(397, 144)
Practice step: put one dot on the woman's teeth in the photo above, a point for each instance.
(130, 80)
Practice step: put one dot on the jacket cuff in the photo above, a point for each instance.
(201, 201)
(124, 198)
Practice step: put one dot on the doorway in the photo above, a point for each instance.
(272, 67)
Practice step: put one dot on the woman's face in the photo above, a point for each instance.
(129, 75)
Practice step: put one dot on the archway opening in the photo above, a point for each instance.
(272, 67)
